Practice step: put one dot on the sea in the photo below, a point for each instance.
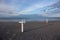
(27, 20)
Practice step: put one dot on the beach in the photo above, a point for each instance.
(32, 31)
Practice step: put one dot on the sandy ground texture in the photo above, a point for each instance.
(32, 31)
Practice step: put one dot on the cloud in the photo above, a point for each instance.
(11, 8)
(34, 7)
(54, 15)
(8, 10)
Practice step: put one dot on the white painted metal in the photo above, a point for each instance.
(22, 25)
(46, 20)
(46, 16)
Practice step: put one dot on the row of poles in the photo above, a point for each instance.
(22, 24)
(23, 21)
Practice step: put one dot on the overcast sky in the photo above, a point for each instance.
(17, 7)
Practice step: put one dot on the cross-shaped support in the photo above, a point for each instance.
(22, 25)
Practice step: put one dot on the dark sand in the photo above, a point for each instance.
(32, 31)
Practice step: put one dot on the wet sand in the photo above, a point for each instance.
(32, 31)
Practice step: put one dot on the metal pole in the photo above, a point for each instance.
(21, 27)
(46, 20)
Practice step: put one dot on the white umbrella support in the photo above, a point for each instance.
(22, 27)
(46, 20)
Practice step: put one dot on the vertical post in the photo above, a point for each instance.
(46, 20)
(46, 17)
(21, 27)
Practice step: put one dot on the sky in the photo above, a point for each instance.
(18, 7)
